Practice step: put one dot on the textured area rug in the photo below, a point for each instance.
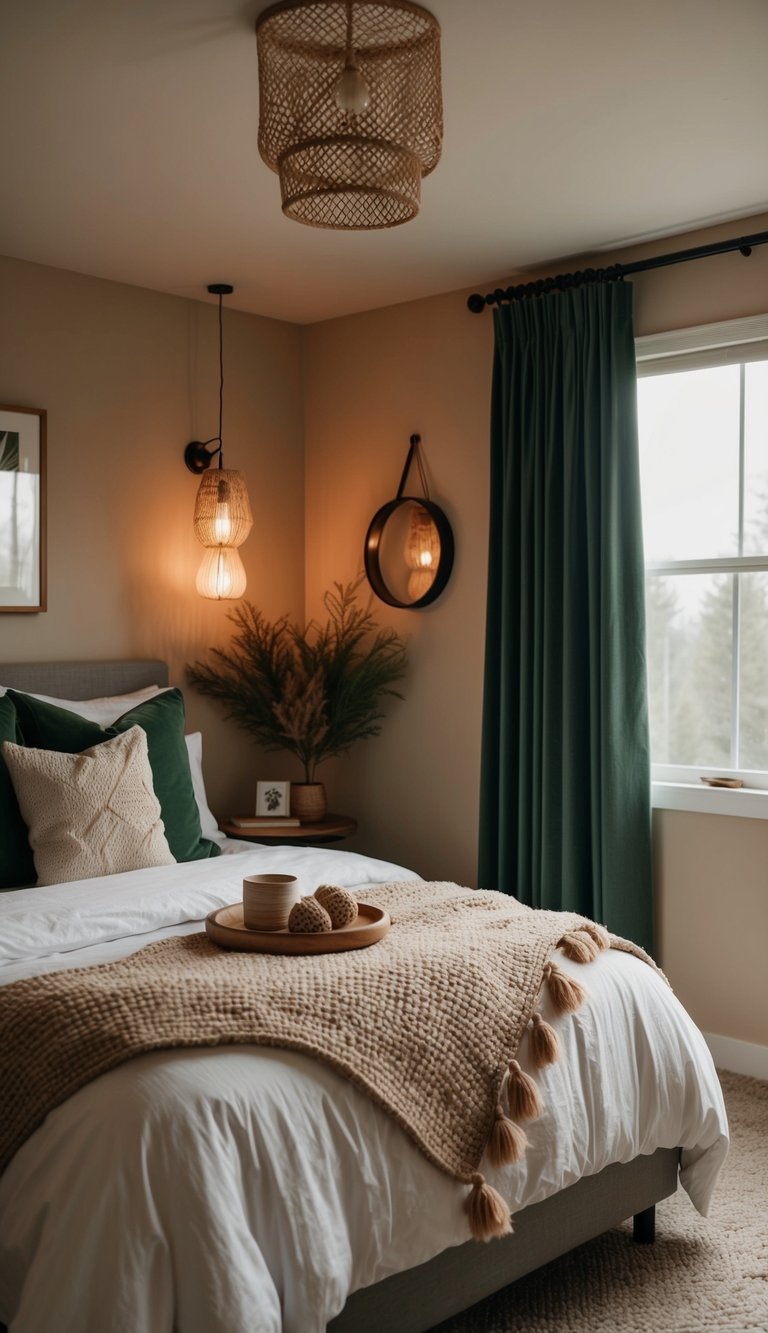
(701, 1276)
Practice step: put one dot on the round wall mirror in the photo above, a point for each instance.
(409, 552)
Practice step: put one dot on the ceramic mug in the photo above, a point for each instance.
(267, 901)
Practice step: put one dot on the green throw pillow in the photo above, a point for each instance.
(17, 866)
(162, 717)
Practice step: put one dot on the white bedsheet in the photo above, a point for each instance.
(243, 1189)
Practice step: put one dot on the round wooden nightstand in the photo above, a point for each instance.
(331, 829)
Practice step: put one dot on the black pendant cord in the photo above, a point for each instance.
(613, 273)
(197, 455)
(216, 439)
(221, 382)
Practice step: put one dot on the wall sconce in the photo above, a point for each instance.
(222, 518)
(409, 545)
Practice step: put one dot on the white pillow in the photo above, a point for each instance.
(104, 710)
(89, 814)
(207, 820)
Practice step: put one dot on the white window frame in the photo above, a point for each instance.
(680, 787)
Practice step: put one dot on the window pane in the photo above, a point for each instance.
(689, 621)
(753, 672)
(756, 458)
(689, 463)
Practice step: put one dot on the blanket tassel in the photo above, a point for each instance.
(523, 1100)
(507, 1141)
(486, 1210)
(543, 1046)
(565, 993)
(580, 946)
(598, 934)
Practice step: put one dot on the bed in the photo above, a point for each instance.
(244, 1188)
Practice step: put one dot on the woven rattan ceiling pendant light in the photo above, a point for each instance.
(351, 112)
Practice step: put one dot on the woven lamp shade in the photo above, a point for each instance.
(222, 509)
(349, 170)
(221, 576)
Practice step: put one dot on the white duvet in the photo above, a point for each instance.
(244, 1190)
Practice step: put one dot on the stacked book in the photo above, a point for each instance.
(265, 821)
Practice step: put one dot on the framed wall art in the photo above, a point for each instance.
(22, 509)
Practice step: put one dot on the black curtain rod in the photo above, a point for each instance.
(613, 273)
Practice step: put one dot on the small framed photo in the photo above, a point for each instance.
(272, 798)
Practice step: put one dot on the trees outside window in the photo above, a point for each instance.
(703, 423)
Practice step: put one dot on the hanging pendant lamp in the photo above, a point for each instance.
(222, 517)
(351, 113)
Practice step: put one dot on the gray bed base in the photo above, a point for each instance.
(417, 1299)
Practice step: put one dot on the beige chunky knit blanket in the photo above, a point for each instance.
(427, 1022)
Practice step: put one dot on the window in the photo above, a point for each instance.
(703, 427)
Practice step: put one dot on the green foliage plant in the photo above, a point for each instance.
(312, 691)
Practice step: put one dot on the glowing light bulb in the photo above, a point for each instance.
(352, 92)
(222, 524)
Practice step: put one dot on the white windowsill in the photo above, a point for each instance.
(747, 802)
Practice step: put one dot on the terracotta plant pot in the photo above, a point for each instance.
(308, 801)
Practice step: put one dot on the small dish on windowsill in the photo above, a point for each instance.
(723, 782)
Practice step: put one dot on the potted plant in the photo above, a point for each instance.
(312, 691)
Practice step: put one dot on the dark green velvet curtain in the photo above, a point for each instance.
(565, 782)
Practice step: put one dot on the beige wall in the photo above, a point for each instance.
(711, 875)
(372, 379)
(128, 377)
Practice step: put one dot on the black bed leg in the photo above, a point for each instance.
(644, 1226)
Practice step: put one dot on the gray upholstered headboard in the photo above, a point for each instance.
(82, 680)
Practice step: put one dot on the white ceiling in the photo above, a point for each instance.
(128, 145)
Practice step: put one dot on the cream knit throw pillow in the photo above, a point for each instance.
(89, 814)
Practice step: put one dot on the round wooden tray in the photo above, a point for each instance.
(225, 927)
